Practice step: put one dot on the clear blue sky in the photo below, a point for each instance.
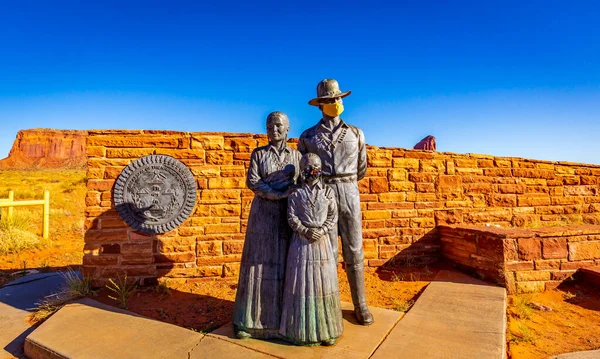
(513, 78)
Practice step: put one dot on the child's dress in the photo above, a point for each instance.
(311, 311)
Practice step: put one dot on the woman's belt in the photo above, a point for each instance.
(340, 178)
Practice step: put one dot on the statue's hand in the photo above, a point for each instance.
(315, 234)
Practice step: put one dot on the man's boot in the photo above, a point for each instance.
(356, 279)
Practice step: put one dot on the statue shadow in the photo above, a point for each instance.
(420, 261)
(581, 293)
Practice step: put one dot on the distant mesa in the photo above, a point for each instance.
(47, 148)
(428, 144)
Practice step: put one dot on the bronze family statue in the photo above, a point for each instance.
(304, 199)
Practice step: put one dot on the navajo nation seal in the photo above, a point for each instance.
(155, 194)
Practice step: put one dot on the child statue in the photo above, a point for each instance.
(311, 312)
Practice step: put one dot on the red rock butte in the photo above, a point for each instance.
(47, 148)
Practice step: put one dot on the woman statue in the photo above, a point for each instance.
(312, 312)
(271, 176)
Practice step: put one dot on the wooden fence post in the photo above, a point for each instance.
(11, 198)
(46, 214)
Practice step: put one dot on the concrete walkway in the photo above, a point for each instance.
(456, 317)
(17, 299)
(588, 354)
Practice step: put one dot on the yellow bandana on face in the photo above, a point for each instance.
(333, 109)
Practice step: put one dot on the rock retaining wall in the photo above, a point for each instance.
(524, 260)
(405, 196)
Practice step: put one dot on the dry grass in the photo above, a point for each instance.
(16, 235)
(67, 205)
(75, 287)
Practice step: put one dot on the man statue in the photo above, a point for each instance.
(341, 148)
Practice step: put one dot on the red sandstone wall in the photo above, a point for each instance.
(48, 149)
(406, 194)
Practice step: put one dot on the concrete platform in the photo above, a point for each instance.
(17, 300)
(357, 341)
(588, 354)
(88, 329)
(456, 317)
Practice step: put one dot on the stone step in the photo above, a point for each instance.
(591, 275)
(88, 329)
(456, 317)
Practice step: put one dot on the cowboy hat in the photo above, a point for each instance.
(328, 89)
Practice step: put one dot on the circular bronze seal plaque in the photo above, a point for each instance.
(155, 194)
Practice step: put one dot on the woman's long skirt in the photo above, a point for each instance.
(312, 310)
(258, 299)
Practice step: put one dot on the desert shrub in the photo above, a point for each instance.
(15, 235)
(122, 290)
(402, 305)
(522, 334)
(75, 287)
(521, 306)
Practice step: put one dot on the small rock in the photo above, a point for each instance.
(540, 307)
(25, 272)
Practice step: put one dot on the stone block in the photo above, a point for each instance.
(535, 275)
(425, 187)
(208, 142)
(222, 228)
(137, 141)
(576, 265)
(392, 197)
(452, 216)
(530, 287)
(96, 151)
(383, 214)
(178, 257)
(512, 188)
(231, 269)
(219, 158)
(240, 144)
(526, 200)
(100, 259)
(529, 249)
(547, 264)
(379, 158)
(579, 251)
(581, 190)
(100, 185)
(497, 172)
(553, 248)
(533, 173)
(379, 185)
(220, 196)
(502, 200)
(190, 231)
(478, 188)
(209, 248)
(433, 165)
(136, 253)
(233, 247)
(421, 177)
(519, 266)
(397, 174)
(128, 152)
(410, 163)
